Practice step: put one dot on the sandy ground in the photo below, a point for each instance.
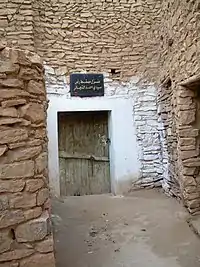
(145, 229)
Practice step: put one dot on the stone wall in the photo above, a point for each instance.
(148, 136)
(25, 227)
(16, 23)
(98, 35)
(153, 40)
(117, 38)
(179, 60)
(92, 35)
(144, 117)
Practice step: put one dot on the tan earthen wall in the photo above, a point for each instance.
(25, 228)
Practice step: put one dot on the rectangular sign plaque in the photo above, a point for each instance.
(86, 85)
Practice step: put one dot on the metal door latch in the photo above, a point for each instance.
(108, 141)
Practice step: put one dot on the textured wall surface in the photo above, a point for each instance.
(25, 229)
(93, 35)
(179, 60)
(16, 23)
(154, 40)
(144, 119)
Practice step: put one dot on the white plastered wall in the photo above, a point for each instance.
(135, 149)
(124, 163)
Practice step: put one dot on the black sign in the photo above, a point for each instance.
(86, 85)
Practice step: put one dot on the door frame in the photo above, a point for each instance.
(123, 152)
(90, 156)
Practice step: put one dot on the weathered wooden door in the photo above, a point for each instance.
(83, 153)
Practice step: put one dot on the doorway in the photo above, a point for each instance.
(83, 145)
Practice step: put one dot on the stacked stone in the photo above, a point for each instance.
(146, 122)
(25, 229)
(98, 35)
(16, 23)
(168, 138)
(179, 53)
(188, 147)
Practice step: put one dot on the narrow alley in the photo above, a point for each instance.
(144, 229)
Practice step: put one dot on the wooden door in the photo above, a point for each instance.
(83, 153)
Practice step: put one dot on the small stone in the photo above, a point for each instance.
(11, 217)
(34, 58)
(186, 117)
(5, 240)
(13, 93)
(8, 121)
(16, 254)
(191, 194)
(189, 181)
(14, 83)
(34, 184)
(192, 204)
(191, 162)
(22, 200)
(186, 148)
(4, 204)
(8, 112)
(22, 153)
(11, 186)
(42, 196)
(2, 45)
(188, 171)
(3, 149)
(186, 93)
(32, 213)
(40, 133)
(188, 154)
(45, 245)
(33, 230)
(29, 74)
(184, 100)
(9, 68)
(19, 57)
(44, 260)
(187, 141)
(13, 102)
(30, 143)
(13, 135)
(189, 132)
(35, 87)
(17, 170)
(34, 112)
(41, 163)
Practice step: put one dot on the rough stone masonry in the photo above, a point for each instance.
(25, 226)
(156, 40)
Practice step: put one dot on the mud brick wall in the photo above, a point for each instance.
(25, 228)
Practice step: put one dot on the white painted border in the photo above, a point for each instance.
(124, 163)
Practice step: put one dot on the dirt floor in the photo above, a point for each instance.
(145, 229)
